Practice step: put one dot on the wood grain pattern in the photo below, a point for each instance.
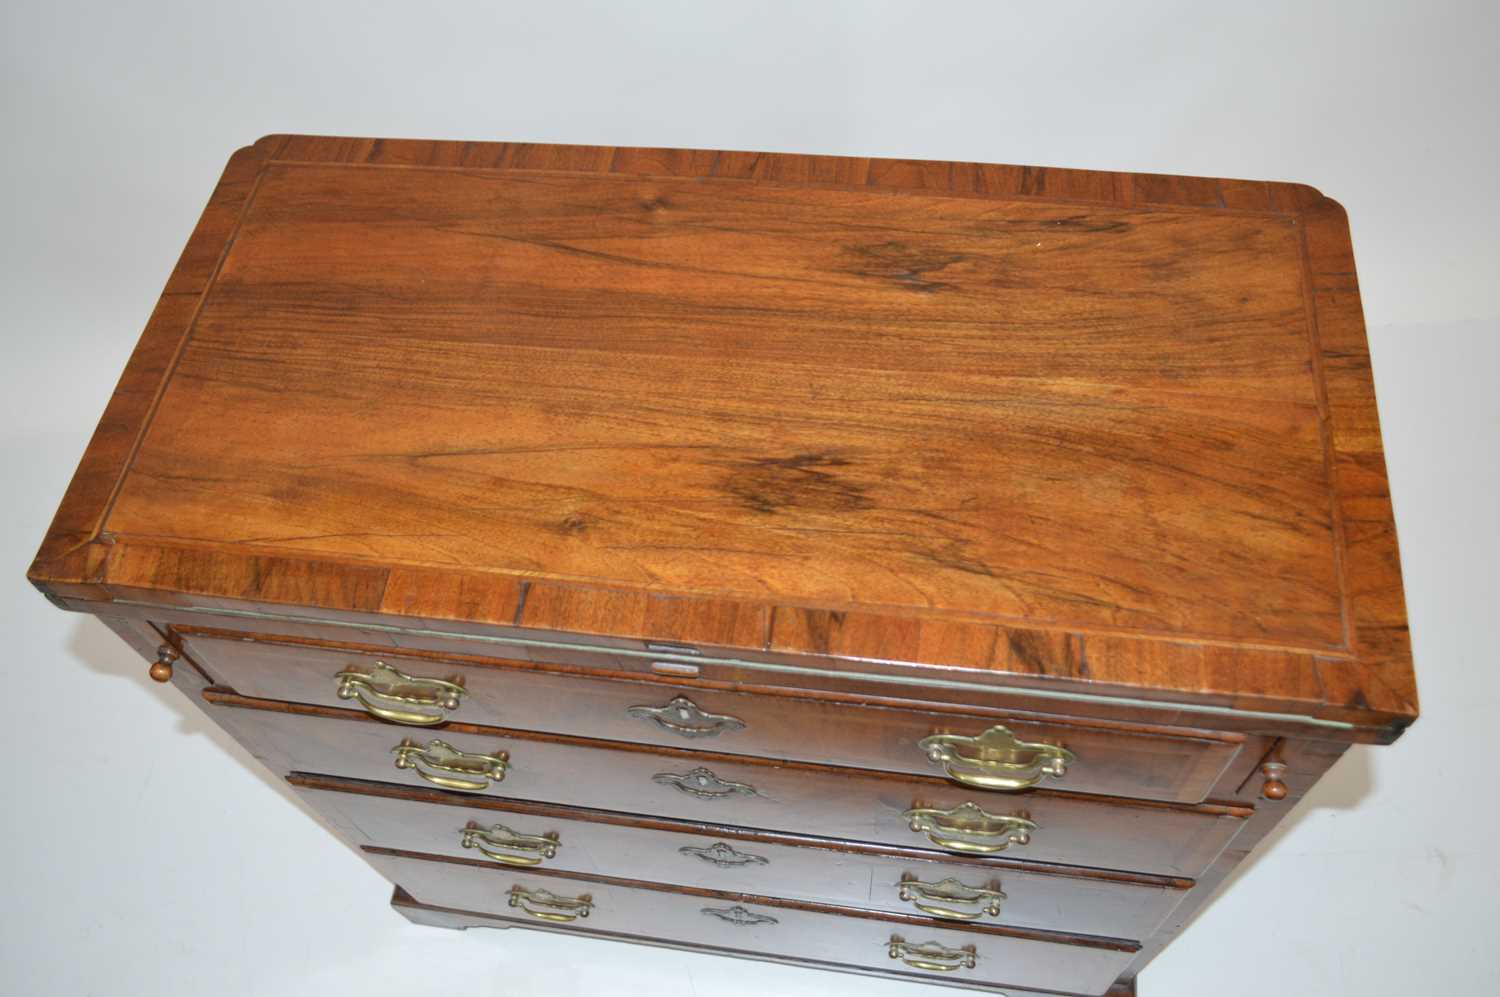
(1091, 430)
(445, 917)
(970, 865)
(1002, 699)
(79, 519)
(797, 928)
(611, 381)
(1177, 766)
(1158, 839)
(1376, 621)
(849, 874)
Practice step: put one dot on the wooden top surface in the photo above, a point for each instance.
(820, 403)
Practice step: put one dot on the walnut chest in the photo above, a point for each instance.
(940, 571)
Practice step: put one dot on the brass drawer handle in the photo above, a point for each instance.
(958, 828)
(932, 956)
(683, 716)
(739, 916)
(487, 842)
(473, 773)
(996, 759)
(702, 783)
(724, 856)
(942, 899)
(386, 693)
(545, 906)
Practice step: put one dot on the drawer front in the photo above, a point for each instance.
(749, 923)
(730, 859)
(462, 920)
(1140, 764)
(836, 803)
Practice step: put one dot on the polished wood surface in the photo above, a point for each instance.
(742, 861)
(833, 454)
(964, 693)
(781, 927)
(458, 920)
(1072, 829)
(1109, 431)
(609, 381)
(1145, 763)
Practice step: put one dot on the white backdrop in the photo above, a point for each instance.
(144, 853)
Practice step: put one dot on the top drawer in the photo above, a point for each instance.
(991, 752)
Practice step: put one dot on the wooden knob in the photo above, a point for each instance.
(1275, 788)
(161, 668)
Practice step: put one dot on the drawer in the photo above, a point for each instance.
(1042, 826)
(462, 920)
(1141, 763)
(725, 858)
(918, 946)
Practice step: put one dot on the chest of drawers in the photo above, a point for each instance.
(939, 571)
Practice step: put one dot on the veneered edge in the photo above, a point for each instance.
(79, 561)
(80, 516)
(1380, 676)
